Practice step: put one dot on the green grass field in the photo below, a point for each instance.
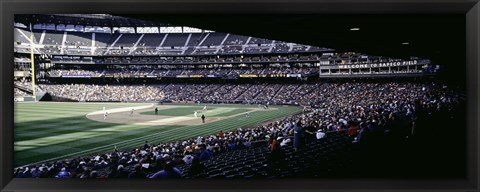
(47, 131)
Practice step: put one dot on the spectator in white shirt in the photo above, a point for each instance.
(320, 134)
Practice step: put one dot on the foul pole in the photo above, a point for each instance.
(32, 61)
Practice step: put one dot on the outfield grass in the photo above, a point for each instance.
(50, 131)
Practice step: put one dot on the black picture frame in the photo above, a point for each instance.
(471, 9)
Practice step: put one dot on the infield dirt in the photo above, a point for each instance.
(122, 116)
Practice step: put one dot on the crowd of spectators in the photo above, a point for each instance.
(251, 92)
(170, 92)
(211, 57)
(23, 82)
(229, 49)
(268, 92)
(236, 91)
(145, 51)
(83, 92)
(122, 72)
(288, 93)
(118, 52)
(367, 110)
(293, 70)
(224, 91)
(77, 44)
(189, 92)
(51, 49)
(303, 94)
(23, 87)
(19, 93)
(261, 41)
(257, 49)
(67, 72)
(281, 47)
(300, 48)
(166, 71)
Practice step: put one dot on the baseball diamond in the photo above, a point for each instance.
(46, 131)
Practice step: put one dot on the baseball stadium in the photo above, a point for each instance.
(112, 96)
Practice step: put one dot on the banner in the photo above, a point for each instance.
(278, 75)
(248, 75)
(375, 65)
(196, 76)
(294, 75)
(182, 76)
(151, 76)
(210, 76)
(19, 73)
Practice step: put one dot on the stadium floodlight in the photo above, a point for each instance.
(405, 43)
(355, 29)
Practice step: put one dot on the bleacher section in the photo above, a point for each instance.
(235, 40)
(79, 39)
(113, 38)
(151, 40)
(255, 41)
(176, 40)
(53, 38)
(214, 39)
(127, 40)
(102, 39)
(269, 92)
(321, 158)
(36, 33)
(19, 37)
(281, 47)
(257, 49)
(195, 39)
